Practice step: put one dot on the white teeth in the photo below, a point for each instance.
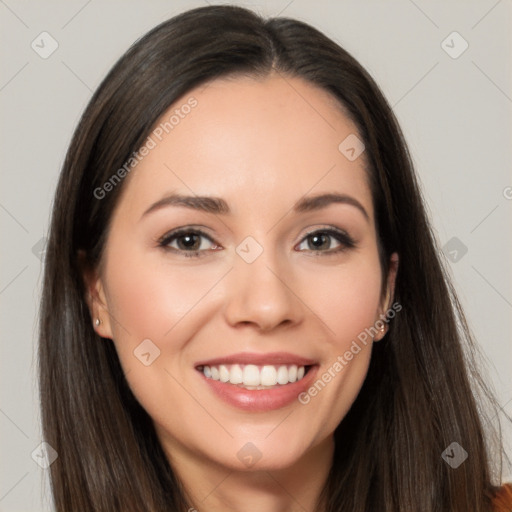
(236, 376)
(255, 377)
(282, 375)
(223, 373)
(251, 375)
(268, 376)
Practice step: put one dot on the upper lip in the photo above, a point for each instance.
(270, 358)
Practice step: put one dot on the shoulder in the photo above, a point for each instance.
(502, 501)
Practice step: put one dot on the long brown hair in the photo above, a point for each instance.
(418, 397)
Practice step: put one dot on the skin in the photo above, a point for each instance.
(261, 145)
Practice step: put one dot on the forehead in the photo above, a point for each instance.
(268, 138)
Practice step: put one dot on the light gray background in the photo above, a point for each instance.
(455, 113)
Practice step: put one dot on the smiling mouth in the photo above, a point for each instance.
(254, 377)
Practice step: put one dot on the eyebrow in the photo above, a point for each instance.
(203, 203)
(216, 205)
(311, 203)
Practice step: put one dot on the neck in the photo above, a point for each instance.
(215, 488)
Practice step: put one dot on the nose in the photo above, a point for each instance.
(262, 294)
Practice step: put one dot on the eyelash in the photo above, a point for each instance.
(174, 235)
(346, 242)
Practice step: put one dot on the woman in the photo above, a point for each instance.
(244, 306)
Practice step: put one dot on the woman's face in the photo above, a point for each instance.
(274, 272)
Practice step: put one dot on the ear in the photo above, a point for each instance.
(96, 298)
(390, 293)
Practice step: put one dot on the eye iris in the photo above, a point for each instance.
(189, 241)
(319, 241)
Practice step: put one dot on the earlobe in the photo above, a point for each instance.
(99, 310)
(96, 299)
(390, 293)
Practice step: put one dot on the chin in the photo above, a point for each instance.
(262, 454)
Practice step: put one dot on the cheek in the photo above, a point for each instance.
(346, 299)
(149, 298)
(152, 305)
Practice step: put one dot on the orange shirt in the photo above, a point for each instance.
(502, 501)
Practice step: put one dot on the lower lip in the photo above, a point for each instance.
(259, 400)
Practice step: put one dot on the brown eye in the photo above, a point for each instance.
(326, 240)
(319, 241)
(188, 242)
